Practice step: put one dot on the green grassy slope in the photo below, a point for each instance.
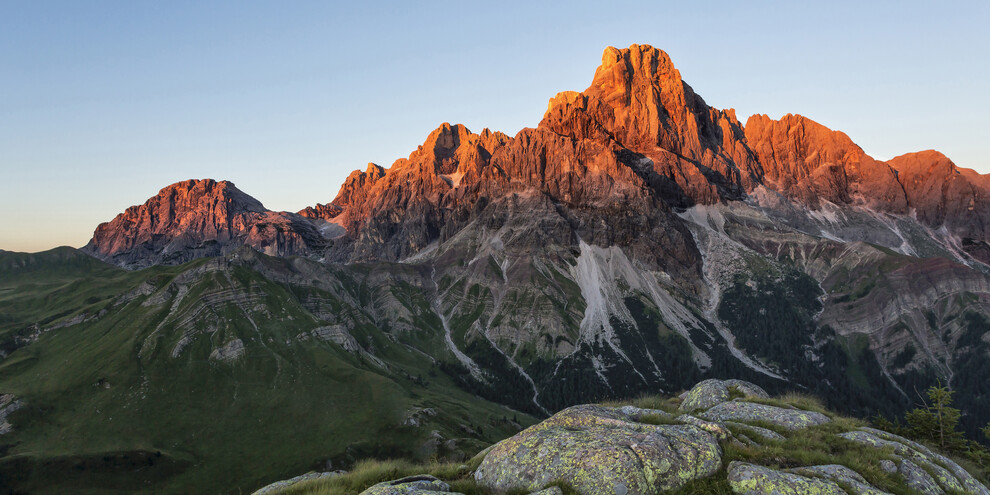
(126, 392)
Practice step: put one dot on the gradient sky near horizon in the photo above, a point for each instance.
(103, 103)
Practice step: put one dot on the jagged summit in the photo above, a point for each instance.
(637, 139)
(196, 218)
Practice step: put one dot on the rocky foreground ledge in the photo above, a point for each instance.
(722, 436)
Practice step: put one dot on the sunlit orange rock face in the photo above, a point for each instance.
(806, 161)
(639, 137)
(197, 218)
(569, 168)
(944, 195)
(607, 165)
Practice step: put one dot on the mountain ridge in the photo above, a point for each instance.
(637, 240)
(636, 189)
(651, 131)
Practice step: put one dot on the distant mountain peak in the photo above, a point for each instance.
(195, 218)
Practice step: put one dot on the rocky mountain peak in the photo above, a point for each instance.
(446, 138)
(926, 163)
(638, 139)
(192, 194)
(195, 218)
(628, 74)
(194, 203)
(944, 195)
(809, 162)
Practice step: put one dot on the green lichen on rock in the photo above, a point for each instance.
(715, 428)
(924, 464)
(553, 490)
(711, 392)
(422, 484)
(637, 413)
(918, 479)
(970, 484)
(704, 395)
(761, 432)
(284, 484)
(600, 450)
(750, 479)
(850, 480)
(747, 389)
(791, 419)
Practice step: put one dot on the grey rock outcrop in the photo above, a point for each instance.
(422, 484)
(918, 479)
(761, 432)
(553, 490)
(598, 449)
(279, 486)
(8, 404)
(852, 481)
(791, 419)
(750, 479)
(919, 465)
(714, 391)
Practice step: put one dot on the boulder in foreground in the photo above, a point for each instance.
(597, 449)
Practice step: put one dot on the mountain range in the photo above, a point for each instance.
(636, 240)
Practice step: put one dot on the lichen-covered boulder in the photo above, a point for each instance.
(944, 471)
(637, 413)
(763, 433)
(852, 481)
(717, 429)
(746, 388)
(918, 479)
(970, 484)
(942, 475)
(283, 484)
(553, 490)
(422, 484)
(705, 394)
(712, 391)
(750, 479)
(791, 419)
(600, 450)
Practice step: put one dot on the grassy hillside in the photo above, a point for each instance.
(208, 378)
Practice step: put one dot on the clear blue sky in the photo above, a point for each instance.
(103, 103)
